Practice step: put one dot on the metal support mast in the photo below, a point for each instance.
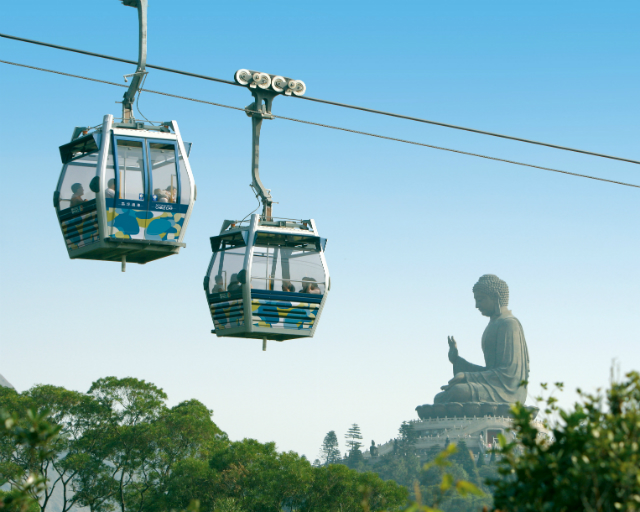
(260, 109)
(264, 89)
(136, 78)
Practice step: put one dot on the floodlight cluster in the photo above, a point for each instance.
(275, 83)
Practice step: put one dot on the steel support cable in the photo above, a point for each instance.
(335, 103)
(118, 59)
(329, 126)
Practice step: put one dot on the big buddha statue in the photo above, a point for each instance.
(506, 359)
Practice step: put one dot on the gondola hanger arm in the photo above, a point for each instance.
(136, 78)
(264, 89)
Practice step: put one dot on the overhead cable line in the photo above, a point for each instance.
(327, 126)
(328, 102)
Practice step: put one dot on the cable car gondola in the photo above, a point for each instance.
(268, 278)
(126, 190)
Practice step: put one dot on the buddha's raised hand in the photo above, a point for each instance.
(453, 349)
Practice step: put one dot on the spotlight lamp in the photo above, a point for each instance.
(275, 83)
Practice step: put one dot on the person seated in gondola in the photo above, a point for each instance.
(234, 285)
(237, 280)
(287, 286)
(78, 192)
(309, 285)
(161, 197)
(219, 286)
(111, 189)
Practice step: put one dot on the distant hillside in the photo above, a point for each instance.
(5, 383)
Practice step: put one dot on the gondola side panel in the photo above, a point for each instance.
(184, 160)
(74, 199)
(103, 158)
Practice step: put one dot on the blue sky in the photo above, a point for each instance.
(410, 229)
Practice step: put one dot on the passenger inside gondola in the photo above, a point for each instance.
(287, 286)
(78, 192)
(111, 189)
(234, 285)
(219, 286)
(309, 285)
(170, 193)
(160, 197)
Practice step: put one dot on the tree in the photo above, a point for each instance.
(128, 433)
(403, 470)
(407, 439)
(353, 437)
(69, 412)
(591, 463)
(354, 457)
(31, 434)
(465, 459)
(330, 452)
(336, 488)
(119, 447)
(444, 484)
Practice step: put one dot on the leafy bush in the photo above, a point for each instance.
(591, 463)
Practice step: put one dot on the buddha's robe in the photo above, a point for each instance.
(506, 363)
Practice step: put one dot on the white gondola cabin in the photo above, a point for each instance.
(125, 193)
(267, 279)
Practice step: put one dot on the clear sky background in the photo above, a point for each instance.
(410, 229)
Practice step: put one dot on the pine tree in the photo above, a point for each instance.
(353, 436)
(354, 455)
(330, 452)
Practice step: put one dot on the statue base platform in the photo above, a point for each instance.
(467, 410)
(479, 433)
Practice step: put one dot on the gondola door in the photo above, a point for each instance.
(147, 190)
(129, 217)
(166, 215)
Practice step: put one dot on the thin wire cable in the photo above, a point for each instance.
(473, 130)
(331, 126)
(138, 100)
(259, 205)
(334, 103)
(118, 59)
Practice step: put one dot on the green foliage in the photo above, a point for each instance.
(406, 440)
(340, 489)
(31, 436)
(354, 458)
(119, 447)
(353, 437)
(330, 452)
(591, 463)
(445, 485)
(464, 458)
(251, 476)
(403, 470)
(18, 501)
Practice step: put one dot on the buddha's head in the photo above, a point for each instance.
(490, 294)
